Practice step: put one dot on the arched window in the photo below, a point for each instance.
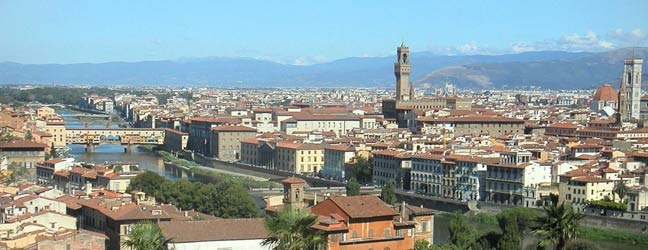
(387, 232)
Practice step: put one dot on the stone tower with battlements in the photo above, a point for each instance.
(402, 72)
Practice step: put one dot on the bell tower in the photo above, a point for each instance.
(402, 72)
(293, 193)
(630, 90)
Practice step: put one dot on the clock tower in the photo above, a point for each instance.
(402, 72)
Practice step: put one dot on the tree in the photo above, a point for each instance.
(558, 226)
(147, 182)
(523, 216)
(422, 245)
(291, 230)
(362, 169)
(352, 187)
(388, 195)
(146, 236)
(462, 235)
(53, 151)
(621, 190)
(234, 202)
(28, 135)
(510, 238)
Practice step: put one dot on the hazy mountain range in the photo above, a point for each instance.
(548, 69)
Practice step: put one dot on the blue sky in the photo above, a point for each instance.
(306, 32)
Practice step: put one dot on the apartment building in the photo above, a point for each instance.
(515, 179)
(225, 141)
(57, 130)
(392, 166)
(299, 157)
(472, 125)
(341, 124)
(362, 222)
(335, 159)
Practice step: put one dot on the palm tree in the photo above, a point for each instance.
(146, 236)
(291, 230)
(558, 226)
(620, 189)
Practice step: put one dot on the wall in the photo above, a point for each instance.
(254, 244)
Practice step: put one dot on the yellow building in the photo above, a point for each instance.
(578, 190)
(45, 112)
(57, 130)
(299, 157)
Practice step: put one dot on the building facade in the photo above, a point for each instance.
(393, 167)
(225, 141)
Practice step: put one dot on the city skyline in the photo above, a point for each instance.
(306, 33)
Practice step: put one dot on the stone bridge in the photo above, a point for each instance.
(88, 136)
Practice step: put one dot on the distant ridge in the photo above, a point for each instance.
(548, 69)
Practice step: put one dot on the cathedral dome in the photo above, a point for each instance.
(606, 93)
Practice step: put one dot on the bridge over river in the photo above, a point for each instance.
(124, 136)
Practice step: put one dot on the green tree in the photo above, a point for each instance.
(363, 169)
(291, 230)
(462, 235)
(620, 189)
(510, 238)
(28, 135)
(352, 187)
(234, 202)
(558, 226)
(523, 216)
(53, 151)
(388, 194)
(146, 236)
(422, 245)
(147, 182)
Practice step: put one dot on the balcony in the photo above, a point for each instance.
(506, 179)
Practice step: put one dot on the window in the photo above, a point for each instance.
(354, 234)
(387, 232)
(371, 233)
(424, 226)
(344, 237)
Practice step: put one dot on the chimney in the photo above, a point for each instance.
(88, 188)
(402, 211)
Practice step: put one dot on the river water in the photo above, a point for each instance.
(110, 153)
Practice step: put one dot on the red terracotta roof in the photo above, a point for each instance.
(293, 180)
(214, 230)
(230, 128)
(363, 206)
(22, 144)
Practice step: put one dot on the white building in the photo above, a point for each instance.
(335, 159)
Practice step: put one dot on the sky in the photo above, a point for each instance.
(308, 32)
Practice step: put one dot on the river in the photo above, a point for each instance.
(109, 153)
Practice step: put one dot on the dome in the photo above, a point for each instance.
(606, 93)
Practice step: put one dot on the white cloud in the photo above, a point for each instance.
(633, 36)
(294, 60)
(588, 41)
